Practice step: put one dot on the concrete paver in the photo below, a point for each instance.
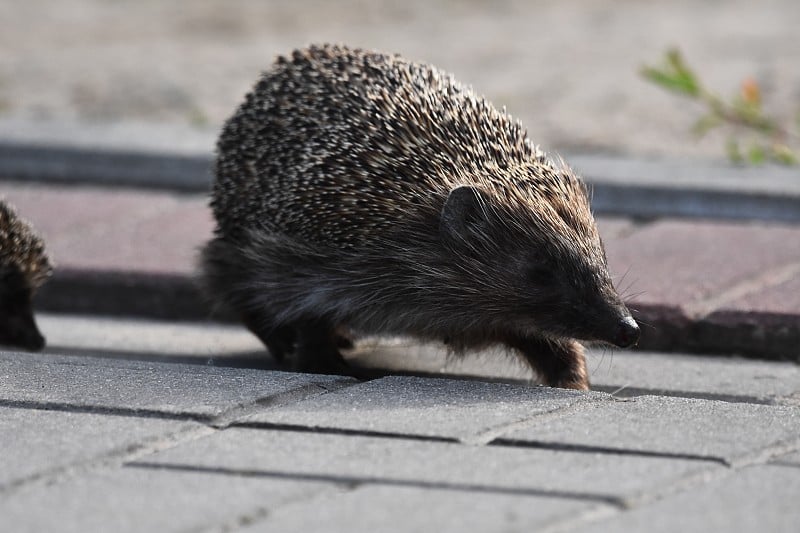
(391, 452)
(733, 379)
(204, 392)
(783, 297)
(432, 407)
(35, 442)
(135, 500)
(683, 263)
(108, 229)
(378, 461)
(203, 342)
(389, 509)
(675, 426)
(792, 459)
(760, 498)
(622, 372)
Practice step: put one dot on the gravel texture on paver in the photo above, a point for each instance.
(149, 388)
(114, 443)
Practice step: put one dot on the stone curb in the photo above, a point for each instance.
(759, 335)
(620, 186)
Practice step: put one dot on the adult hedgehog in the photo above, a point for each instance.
(359, 190)
(24, 266)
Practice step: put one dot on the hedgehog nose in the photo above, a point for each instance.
(627, 333)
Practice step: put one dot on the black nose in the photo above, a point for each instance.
(627, 333)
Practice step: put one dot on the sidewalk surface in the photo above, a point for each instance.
(132, 425)
(146, 412)
(147, 441)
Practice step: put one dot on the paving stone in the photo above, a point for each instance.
(662, 425)
(354, 460)
(387, 509)
(96, 228)
(624, 372)
(420, 406)
(135, 386)
(634, 373)
(206, 342)
(35, 441)
(755, 499)
(134, 500)
(684, 263)
(791, 459)
(781, 298)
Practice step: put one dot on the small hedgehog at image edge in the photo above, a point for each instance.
(24, 267)
(360, 192)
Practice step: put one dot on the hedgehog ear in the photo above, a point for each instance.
(463, 215)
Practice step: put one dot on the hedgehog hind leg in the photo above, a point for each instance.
(317, 348)
(559, 363)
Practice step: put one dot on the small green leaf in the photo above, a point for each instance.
(782, 154)
(682, 70)
(705, 124)
(670, 81)
(733, 151)
(756, 154)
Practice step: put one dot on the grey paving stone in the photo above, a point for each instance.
(388, 509)
(662, 425)
(136, 386)
(136, 500)
(677, 374)
(755, 499)
(35, 442)
(792, 459)
(624, 372)
(355, 460)
(201, 341)
(423, 406)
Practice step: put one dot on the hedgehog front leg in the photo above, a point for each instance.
(560, 363)
(317, 349)
(279, 340)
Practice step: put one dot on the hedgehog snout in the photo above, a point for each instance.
(627, 333)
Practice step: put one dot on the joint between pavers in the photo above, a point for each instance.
(494, 433)
(272, 401)
(326, 430)
(115, 457)
(601, 512)
(584, 448)
(766, 454)
(625, 392)
(107, 411)
(356, 481)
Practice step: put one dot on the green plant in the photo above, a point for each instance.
(769, 140)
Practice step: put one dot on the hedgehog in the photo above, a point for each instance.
(360, 193)
(24, 267)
